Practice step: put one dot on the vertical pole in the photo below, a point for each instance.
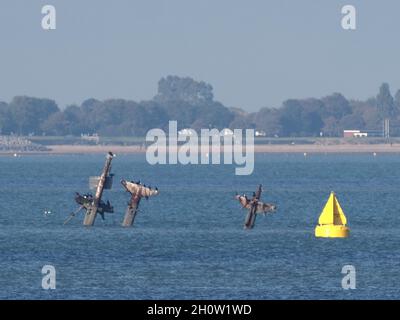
(131, 211)
(250, 218)
(91, 214)
(252, 214)
(386, 128)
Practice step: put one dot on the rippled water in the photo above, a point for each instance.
(189, 242)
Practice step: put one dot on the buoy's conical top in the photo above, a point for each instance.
(332, 221)
(332, 213)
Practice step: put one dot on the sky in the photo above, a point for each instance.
(255, 53)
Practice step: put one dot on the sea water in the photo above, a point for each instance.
(188, 242)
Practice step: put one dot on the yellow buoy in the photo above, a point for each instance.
(332, 221)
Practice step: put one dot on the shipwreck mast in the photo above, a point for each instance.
(137, 192)
(103, 182)
(251, 215)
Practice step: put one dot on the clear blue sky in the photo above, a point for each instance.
(255, 53)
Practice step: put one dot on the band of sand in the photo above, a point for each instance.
(311, 148)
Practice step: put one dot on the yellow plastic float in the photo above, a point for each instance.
(332, 221)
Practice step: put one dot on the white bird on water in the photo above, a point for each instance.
(46, 213)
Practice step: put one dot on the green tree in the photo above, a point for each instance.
(385, 102)
(28, 113)
(268, 120)
(6, 124)
(241, 119)
(331, 127)
(301, 117)
(369, 112)
(212, 115)
(335, 105)
(290, 116)
(397, 101)
(56, 124)
(352, 121)
(174, 88)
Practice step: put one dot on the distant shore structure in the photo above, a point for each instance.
(17, 144)
(354, 134)
(91, 137)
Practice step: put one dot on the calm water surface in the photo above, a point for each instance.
(188, 242)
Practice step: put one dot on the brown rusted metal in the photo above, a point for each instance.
(137, 191)
(96, 204)
(255, 206)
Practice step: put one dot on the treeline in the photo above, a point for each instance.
(192, 104)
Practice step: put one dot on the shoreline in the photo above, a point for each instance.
(340, 148)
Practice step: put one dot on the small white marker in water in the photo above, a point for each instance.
(374, 154)
(15, 155)
(305, 154)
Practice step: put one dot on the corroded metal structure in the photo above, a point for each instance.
(94, 204)
(137, 192)
(255, 206)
